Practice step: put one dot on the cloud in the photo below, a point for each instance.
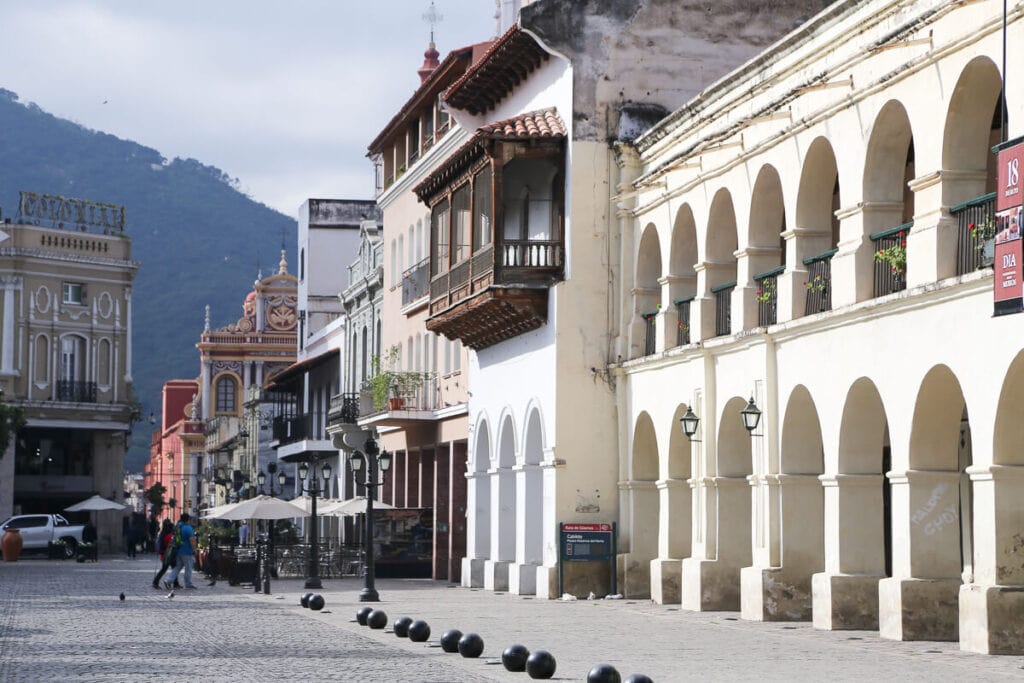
(284, 96)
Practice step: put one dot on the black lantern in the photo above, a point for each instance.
(751, 416)
(689, 422)
(382, 459)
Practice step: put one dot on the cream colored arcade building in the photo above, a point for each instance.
(884, 486)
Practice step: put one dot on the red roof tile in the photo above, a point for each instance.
(544, 123)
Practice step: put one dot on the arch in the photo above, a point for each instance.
(734, 455)
(647, 297)
(802, 448)
(482, 448)
(532, 492)
(732, 491)
(767, 215)
(1008, 435)
(676, 499)
(226, 391)
(644, 464)
(41, 372)
(862, 511)
(104, 362)
(801, 496)
(940, 539)
(533, 428)
(648, 260)
(888, 167)
(503, 495)
(480, 490)
(642, 506)
(678, 463)
(683, 251)
(971, 129)
(720, 240)
(506, 453)
(818, 196)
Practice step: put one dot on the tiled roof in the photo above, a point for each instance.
(509, 60)
(544, 123)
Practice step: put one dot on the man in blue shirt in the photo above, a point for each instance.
(185, 540)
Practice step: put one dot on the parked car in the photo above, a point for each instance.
(38, 531)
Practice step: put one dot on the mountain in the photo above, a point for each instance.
(196, 235)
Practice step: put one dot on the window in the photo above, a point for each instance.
(457, 355)
(74, 292)
(72, 359)
(28, 522)
(482, 233)
(460, 224)
(226, 395)
(439, 237)
(302, 264)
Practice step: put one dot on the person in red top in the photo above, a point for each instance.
(167, 556)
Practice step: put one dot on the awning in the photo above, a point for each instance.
(298, 368)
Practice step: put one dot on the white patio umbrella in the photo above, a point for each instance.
(356, 506)
(97, 502)
(322, 504)
(217, 510)
(263, 507)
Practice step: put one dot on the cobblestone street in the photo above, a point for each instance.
(64, 621)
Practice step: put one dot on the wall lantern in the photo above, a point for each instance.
(689, 422)
(751, 416)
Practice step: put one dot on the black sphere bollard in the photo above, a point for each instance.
(514, 657)
(419, 631)
(377, 619)
(450, 640)
(540, 664)
(304, 600)
(316, 602)
(401, 626)
(362, 614)
(471, 645)
(639, 678)
(604, 673)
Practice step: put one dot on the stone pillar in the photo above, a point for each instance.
(529, 515)
(503, 529)
(628, 163)
(634, 567)
(919, 602)
(853, 265)
(931, 244)
(711, 578)
(845, 595)
(750, 261)
(673, 542)
(478, 528)
(778, 586)
(401, 464)
(992, 604)
(547, 572)
(205, 393)
(127, 337)
(456, 511)
(8, 338)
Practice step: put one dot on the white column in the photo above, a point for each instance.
(9, 285)
(128, 336)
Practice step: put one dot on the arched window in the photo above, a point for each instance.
(227, 395)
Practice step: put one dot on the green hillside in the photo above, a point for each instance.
(197, 237)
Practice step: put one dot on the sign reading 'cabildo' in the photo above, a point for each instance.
(65, 211)
(587, 542)
(1007, 283)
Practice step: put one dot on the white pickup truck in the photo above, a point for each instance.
(37, 531)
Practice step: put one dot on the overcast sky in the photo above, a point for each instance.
(284, 96)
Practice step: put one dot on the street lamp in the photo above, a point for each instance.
(356, 461)
(314, 489)
(261, 480)
(689, 422)
(751, 416)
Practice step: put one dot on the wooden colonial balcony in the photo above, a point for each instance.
(499, 293)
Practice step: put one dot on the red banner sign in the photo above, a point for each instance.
(1007, 283)
(566, 526)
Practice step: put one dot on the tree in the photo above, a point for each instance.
(155, 496)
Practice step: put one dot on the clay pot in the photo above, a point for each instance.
(11, 545)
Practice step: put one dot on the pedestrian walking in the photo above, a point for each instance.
(243, 533)
(184, 544)
(165, 539)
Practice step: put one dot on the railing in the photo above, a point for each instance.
(531, 254)
(819, 283)
(292, 428)
(344, 409)
(723, 308)
(891, 272)
(439, 286)
(768, 296)
(683, 320)
(415, 282)
(76, 392)
(650, 330)
(458, 276)
(976, 220)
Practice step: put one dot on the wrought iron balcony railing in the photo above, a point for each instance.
(723, 308)
(344, 409)
(683, 320)
(976, 220)
(819, 283)
(76, 392)
(768, 296)
(891, 259)
(650, 332)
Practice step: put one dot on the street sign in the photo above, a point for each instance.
(586, 543)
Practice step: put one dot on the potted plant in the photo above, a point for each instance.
(984, 234)
(895, 255)
(390, 386)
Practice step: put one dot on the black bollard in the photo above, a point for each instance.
(304, 600)
(540, 664)
(316, 603)
(639, 678)
(401, 626)
(604, 673)
(514, 657)
(419, 631)
(362, 614)
(471, 645)
(377, 619)
(450, 640)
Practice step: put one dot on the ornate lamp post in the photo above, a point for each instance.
(371, 459)
(314, 489)
(268, 551)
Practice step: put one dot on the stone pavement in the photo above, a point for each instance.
(64, 620)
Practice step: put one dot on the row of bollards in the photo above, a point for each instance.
(538, 664)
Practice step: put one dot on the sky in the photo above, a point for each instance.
(285, 96)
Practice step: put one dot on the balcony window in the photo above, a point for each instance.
(482, 193)
(460, 225)
(73, 293)
(439, 238)
(226, 395)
